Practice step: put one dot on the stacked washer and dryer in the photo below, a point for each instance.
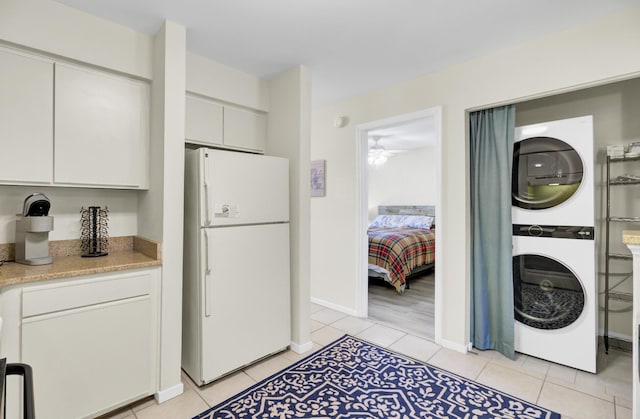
(554, 254)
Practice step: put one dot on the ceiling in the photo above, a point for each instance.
(351, 46)
(403, 137)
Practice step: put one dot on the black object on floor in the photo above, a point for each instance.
(27, 382)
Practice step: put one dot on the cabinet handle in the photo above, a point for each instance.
(208, 285)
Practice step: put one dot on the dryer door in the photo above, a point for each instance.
(547, 294)
(546, 173)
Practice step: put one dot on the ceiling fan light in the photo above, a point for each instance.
(378, 160)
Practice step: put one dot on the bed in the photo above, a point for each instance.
(401, 243)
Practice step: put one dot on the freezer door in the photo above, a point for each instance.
(241, 188)
(246, 307)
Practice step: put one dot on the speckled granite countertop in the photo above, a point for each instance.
(631, 236)
(141, 253)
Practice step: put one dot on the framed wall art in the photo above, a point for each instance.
(317, 178)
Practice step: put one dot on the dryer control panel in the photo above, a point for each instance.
(558, 232)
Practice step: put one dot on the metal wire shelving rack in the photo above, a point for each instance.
(609, 256)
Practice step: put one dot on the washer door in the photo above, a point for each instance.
(546, 172)
(547, 295)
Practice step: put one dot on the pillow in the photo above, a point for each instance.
(420, 221)
(380, 221)
(398, 221)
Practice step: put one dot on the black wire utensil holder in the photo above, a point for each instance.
(94, 231)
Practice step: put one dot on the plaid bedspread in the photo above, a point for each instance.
(400, 250)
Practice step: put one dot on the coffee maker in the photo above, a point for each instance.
(32, 231)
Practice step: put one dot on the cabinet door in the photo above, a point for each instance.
(203, 121)
(26, 119)
(101, 129)
(245, 129)
(90, 358)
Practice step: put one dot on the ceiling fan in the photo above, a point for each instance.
(378, 154)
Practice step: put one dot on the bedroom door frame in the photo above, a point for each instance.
(362, 199)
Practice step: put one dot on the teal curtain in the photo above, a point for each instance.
(491, 134)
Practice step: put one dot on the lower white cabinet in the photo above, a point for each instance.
(92, 342)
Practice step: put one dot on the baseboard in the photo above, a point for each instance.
(615, 335)
(332, 306)
(455, 346)
(169, 393)
(301, 348)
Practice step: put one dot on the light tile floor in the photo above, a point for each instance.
(574, 394)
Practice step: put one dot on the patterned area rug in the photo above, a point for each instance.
(351, 378)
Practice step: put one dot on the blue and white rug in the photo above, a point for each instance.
(351, 378)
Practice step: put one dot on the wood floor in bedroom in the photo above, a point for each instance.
(412, 311)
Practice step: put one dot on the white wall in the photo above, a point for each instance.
(289, 133)
(601, 51)
(214, 80)
(405, 179)
(65, 209)
(615, 108)
(49, 26)
(161, 208)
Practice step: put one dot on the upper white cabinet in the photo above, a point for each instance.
(244, 129)
(66, 125)
(203, 121)
(26, 119)
(212, 124)
(101, 129)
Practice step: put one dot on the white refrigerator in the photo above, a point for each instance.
(236, 285)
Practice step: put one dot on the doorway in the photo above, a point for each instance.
(432, 117)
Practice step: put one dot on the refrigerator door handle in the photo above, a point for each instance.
(207, 219)
(206, 193)
(208, 286)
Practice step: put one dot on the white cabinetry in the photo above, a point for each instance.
(244, 129)
(26, 119)
(203, 121)
(210, 123)
(74, 126)
(92, 342)
(101, 129)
